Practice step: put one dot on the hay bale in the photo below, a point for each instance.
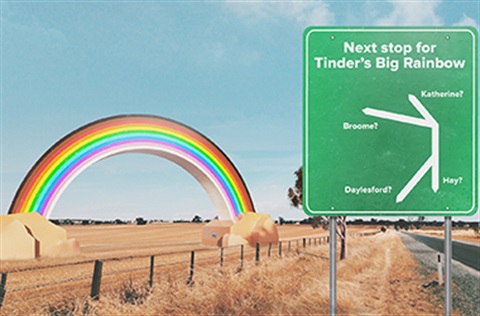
(256, 228)
(47, 233)
(229, 240)
(16, 243)
(214, 231)
(30, 235)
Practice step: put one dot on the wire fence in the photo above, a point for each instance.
(98, 277)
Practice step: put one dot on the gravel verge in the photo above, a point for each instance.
(466, 281)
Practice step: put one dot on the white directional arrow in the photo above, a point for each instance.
(427, 121)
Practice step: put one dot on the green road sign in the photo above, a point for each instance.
(390, 121)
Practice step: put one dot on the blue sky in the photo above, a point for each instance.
(230, 69)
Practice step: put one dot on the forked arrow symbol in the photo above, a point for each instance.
(427, 121)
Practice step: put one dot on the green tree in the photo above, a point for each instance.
(197, 219)
(420, 222)
(295, 196)
(140, 221)
(476, 229)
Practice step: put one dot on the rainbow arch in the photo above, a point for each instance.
(107, 137)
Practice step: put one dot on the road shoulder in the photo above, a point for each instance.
(466, 281)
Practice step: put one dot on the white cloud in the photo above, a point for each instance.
(412, 14)
(467, 21)
(305, 13)
(44, 39)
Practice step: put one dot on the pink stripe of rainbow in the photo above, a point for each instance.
(58, 166)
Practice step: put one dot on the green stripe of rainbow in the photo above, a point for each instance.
(53, 172)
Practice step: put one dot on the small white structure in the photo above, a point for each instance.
(214, 231)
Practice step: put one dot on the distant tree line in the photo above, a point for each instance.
(137, 221)
(400, 224)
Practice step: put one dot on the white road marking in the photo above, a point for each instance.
(427, 121)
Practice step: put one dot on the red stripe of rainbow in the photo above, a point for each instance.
(67, 158)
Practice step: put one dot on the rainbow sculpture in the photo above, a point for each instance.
(194, 152)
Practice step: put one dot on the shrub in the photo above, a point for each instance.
(73, 306)
(134, 294)
(476, 229)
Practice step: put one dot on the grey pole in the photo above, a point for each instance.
(447, 244)
(333, 266)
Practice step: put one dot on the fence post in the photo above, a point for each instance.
(221, 257)
(309, 241)
(289, 245)
(297, 242)
(280, 249)
(192, 266)
(257, 253)
(314, 241)
(3, 288)
(241, 256)
(304, 242)
(96, 280)
(152, 265)
(269, 249)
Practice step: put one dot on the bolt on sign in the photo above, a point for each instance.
(390, 121)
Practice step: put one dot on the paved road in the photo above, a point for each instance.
(466, 280)
(467, 254)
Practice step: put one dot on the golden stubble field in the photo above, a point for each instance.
(377, 278)
(112, 240)
(461, 234)
(117, 241)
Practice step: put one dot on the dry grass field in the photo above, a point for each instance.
(462, 234)
(111, 240)
(377, 278)
(117, 241)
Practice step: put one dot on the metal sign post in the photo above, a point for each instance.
(333, 266)
(448, 265)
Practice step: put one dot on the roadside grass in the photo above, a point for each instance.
(378, 277)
